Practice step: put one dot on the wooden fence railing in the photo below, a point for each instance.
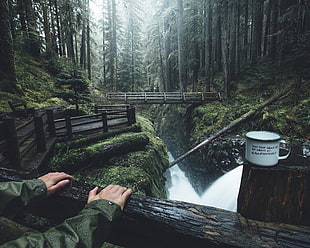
(105, 117)
(159, 97)
(17, 142)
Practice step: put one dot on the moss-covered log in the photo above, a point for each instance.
(153, 222)
(74, 160)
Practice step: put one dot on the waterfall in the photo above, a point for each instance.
(222, 193)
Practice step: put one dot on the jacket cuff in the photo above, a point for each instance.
(109, 209)
(37, 188)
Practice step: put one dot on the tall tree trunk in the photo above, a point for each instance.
(246, 32)
(257, 29)
(195, 65)
(7, 62)
(12, 21)
(225, 47)
(274, 29)
(59, 30)
(47, 30)
(238, 46)
(22, 18)
(233, 39)
(167, 48)
(103, 45)
(69, 35)
(180, 45)
(88, 44)
(267, 29)
(33, 42)
(219, 31)
(208, 49)
(83, 47)
(132, 54)
(53, 27)
(114, 48)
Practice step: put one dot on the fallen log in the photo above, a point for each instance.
(152, 222)
(79, 159)
(232, 124)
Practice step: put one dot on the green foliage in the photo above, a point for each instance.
(73, 87)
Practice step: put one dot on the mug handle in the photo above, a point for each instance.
(289, 149)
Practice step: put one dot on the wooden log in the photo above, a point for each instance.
(83, 158)
(282, 193)
(231, 125)
(152, 222)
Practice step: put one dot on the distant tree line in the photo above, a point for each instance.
(182, 45)
(198, 39)
(49, 28)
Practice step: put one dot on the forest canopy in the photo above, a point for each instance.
(168, 45)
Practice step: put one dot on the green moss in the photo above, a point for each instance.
(95, 155)
(135, 178)
(141, 170)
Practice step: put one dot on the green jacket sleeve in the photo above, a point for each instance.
(14, 196)
(88, 229)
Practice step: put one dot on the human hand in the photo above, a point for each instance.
(55, 181)
(113, 193)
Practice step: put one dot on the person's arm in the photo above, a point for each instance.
(15, 196)
(88, 229)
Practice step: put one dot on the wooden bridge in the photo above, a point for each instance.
(159, 97)
(27, 145)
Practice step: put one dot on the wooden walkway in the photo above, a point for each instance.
(29, 144)
(159, 97)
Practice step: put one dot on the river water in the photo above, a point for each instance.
(222, 193)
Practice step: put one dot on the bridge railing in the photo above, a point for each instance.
(105, 117)
(160, 97)
(16, 142)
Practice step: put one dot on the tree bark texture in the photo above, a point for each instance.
(278, 194)
(7, 61)
(152, 222)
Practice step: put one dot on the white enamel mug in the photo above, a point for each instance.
(262, 148)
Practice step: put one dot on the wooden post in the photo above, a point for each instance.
(96, 109)
(12, 152)
(51, 122)
(69, 127)
(39, 131)
(131, 115)
(276, 194)
(104, 122)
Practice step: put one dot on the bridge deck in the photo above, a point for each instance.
(160, 97)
